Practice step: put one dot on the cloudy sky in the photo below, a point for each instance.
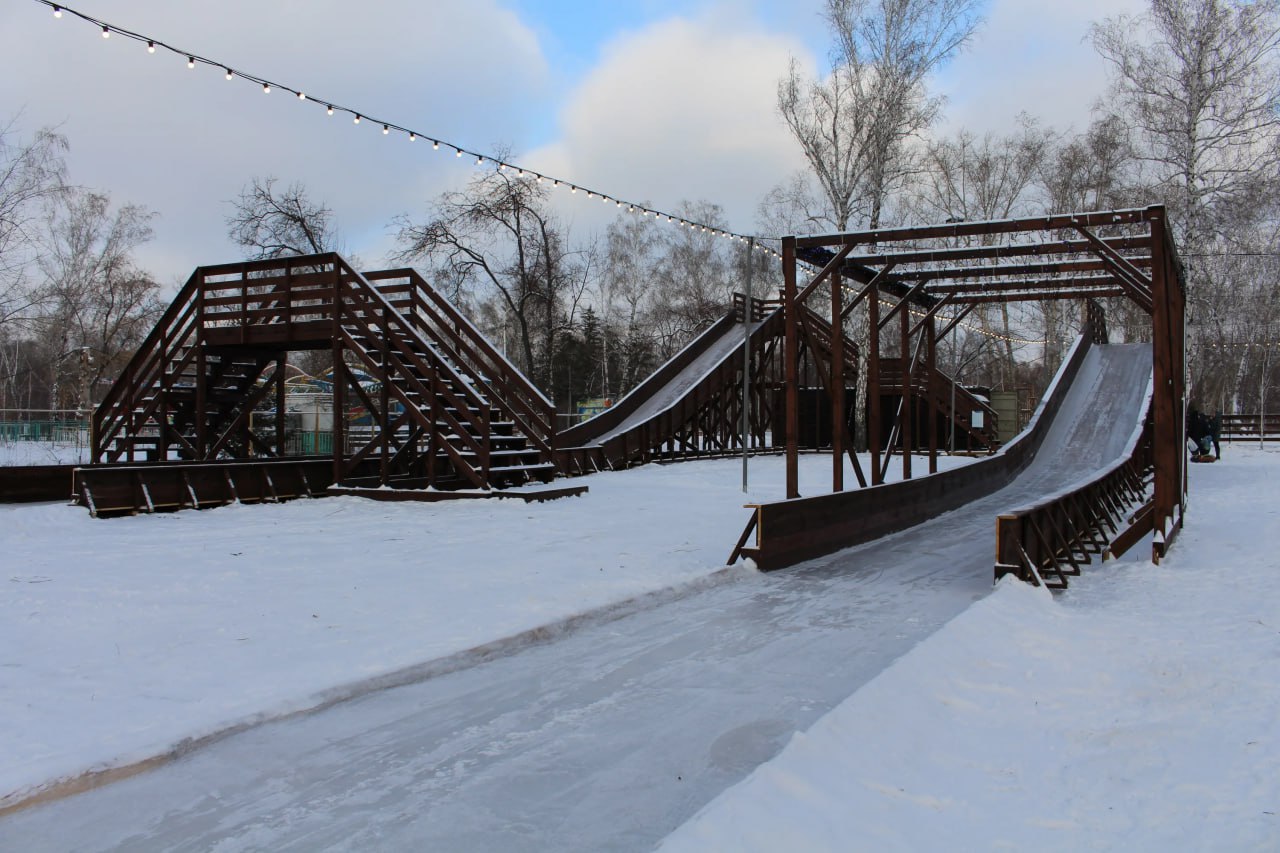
(647, 100)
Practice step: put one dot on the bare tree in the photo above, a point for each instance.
(273, 223)
(32, 176)
(967, 178)
(98, 305)
(627, 287)
(1199, 82)
(854, 125)
(498, 237)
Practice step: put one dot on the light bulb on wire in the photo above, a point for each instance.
(230, 74)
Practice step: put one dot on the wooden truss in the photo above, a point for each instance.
(916, 278)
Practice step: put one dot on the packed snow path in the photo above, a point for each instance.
(611, 737)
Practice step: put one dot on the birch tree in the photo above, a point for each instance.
(854, 124)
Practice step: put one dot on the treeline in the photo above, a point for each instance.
(1191, 120)
(73, 303)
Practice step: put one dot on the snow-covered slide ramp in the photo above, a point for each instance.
(688, 407)
(1083, 423)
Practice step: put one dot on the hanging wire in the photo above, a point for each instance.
(194, 59)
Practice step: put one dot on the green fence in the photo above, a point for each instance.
(58, 432)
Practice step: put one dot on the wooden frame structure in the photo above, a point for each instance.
(938, 273)
(705, 414)
(447, 410)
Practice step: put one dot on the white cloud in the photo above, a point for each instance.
(146, 129)
(681, 110)
(1032, 56)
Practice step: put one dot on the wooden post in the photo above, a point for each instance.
(280, 403)
(339, 381)
(873, 385)
(202, 377)
(905, 427)
(837, 386)
(792, 364)
(931, 372)
(746, 363)
(1168, 441)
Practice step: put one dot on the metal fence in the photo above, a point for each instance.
(56, 426)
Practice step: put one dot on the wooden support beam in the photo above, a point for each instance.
(1011, 250)
(873, 387)
(1055, 222)
(1092, 293)
(832, 266)
(903, 302)
(839, 423)
(1138, 285)
(876, 280)
(790, 306)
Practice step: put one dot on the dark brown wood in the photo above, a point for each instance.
(27, 483)
(190, 390)
(972, 253)
(791, 362)
(874, 391)
(1055, 222)
(839, 424)
(792, 531)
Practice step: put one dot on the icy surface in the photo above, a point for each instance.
(119, 638)
(1136, 711)
(608, 738)
(616, 734)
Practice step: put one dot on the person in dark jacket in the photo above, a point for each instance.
(1200, 431)
(1215, 432)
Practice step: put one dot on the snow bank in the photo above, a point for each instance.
(123, 639)
(1137, 711)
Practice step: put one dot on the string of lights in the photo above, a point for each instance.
(970, 327)
(194, 60)
(1244, 345)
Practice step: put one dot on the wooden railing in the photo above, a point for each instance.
(938, 388)
(1251, 427)
(277, 301)
(1047, 541)
(790, 531)
(453, 335)
(432, 391)
(126, 402)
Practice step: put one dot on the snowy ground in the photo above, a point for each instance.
(1135, 711)
(121, 638)
(21, 453)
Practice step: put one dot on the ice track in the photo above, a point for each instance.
(611, 737)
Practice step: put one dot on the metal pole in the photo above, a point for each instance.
(746, 361)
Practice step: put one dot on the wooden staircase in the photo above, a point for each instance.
(934, 393)
(448, 410)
